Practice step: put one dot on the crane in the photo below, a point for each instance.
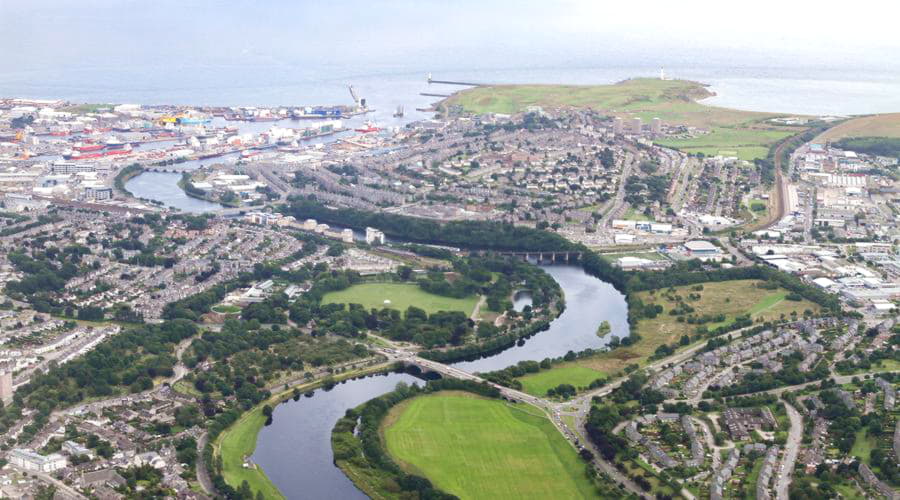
(360, 103)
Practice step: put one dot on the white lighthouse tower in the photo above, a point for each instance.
(662, 73)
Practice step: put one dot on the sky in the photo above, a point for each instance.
(763, 30)
(266, 51)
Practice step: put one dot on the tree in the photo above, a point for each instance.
(244, 491)
(267, 411)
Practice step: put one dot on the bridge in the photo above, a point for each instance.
(428, 366)
(169, 169)
(545, 257)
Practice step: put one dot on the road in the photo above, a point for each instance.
(202, 474)
(783, 478)
(63, 490)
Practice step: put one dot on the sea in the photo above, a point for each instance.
(286, 52)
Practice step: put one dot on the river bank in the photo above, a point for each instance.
(239, 440)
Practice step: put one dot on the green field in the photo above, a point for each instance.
(401, 296)
(612, 257)
(239, 441)
(674, 101)
(632, 214)
(480, 448)
(863, 445)
(537, 384)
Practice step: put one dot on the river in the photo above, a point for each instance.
(295, 451)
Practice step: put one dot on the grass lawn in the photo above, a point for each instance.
(401, 296)
(750, 490)
(732, 298)
(226, 309)
(239, 441)
(632, 214)
(863, 445)
(743, 133)
(537, 384)
(476, 448)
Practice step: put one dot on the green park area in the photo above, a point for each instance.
(238, 442)
(399, 296)
(744, 133)
(728, 298)
(863, 445)
(477, 448)
(539, 383)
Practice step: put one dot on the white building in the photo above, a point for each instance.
(29, 460)
(374, 236)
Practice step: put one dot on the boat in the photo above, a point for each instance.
(87, 148)
(399, 112)
(114, 143)
(122, 151)
(76, 155)
(190, 120)
(368, 128)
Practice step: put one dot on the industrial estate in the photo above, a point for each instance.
(535, 291)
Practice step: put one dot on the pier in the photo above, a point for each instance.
(451, 82)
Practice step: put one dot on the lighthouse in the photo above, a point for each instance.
(662, 73)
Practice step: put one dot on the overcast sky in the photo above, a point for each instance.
(823, 31)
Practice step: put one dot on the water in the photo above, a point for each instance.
(291, 53)
(295, 451)
(589, 302)
(162, 186)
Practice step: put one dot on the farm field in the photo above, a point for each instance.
(477, 448)
(744, 133)
(401, 296)
(537, 384)
(731, 298)
(883, 125)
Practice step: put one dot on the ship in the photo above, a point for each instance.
(399, 112)
(87, 147)
(114, 143)
(192, 120)
(368, 128)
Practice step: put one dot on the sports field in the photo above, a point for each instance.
(539, 383)
(674, 101)
(401, 296)
(477, 448)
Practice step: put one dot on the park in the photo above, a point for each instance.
(475, 447)
(399, 296)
